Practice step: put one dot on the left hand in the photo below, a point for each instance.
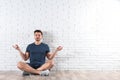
(59, 48)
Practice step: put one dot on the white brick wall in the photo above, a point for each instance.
(88, 29)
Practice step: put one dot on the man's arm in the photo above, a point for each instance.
(24, 56)
(50, 55)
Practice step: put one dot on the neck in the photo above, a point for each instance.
(37, 42)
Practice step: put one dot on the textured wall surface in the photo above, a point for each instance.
(87, 29)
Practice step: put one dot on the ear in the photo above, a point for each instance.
(41, 36)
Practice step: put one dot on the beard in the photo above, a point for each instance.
(37, 39)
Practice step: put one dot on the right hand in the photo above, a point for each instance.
(16, 47)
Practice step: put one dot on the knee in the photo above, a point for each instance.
(19, 65)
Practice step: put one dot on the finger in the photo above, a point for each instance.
(16, 45)
(60, 47)
(13, 46)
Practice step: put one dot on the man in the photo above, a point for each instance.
(37, 52)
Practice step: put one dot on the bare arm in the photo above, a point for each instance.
(25, 56)
(50, 56)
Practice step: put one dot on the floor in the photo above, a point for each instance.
(63, 75)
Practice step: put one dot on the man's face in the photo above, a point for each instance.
(37, 36)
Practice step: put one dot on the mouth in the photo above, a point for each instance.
(37, 39)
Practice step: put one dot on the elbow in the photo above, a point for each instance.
(50, 58)
(25, 59)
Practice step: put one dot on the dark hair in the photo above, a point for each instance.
(38, 31)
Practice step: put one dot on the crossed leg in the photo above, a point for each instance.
(25, 67)
(48, 65)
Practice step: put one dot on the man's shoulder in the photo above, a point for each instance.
(44, 44)
(30, 44)
(33, 44)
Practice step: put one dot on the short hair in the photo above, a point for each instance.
(38, 31)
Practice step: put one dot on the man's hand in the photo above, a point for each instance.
(51, 56)
(16, 47)
(24, 56)
(59, 48)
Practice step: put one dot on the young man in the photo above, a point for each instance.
(37, 52)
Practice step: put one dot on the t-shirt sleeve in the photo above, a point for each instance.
(28, 48)
(47, 49)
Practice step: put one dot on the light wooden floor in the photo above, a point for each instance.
(63, 75)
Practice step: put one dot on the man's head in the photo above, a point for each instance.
(38, 35)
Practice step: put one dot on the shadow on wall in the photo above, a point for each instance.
(48, 39)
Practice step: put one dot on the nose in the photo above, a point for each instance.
(37, 36)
